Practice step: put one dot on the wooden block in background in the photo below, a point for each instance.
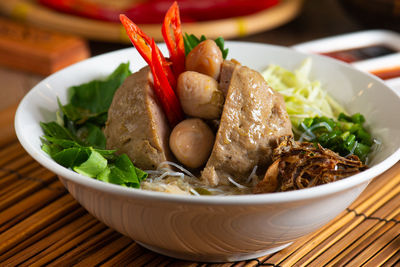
(36, 50)
(7, 132)
(14, 84)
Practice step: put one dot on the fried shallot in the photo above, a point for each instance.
(298, 165)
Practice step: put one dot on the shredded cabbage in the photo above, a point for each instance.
(304, 98)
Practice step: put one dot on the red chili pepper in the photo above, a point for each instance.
(138, 38)
(142, 42)
(172, 33)
(163, 89)
(160, 68)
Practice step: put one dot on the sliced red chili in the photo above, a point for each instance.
(163, 89)
(172, 33)
(142, 42)
(164, 79)
(138, 38)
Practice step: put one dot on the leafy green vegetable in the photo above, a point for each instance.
(86, 112)
(96, 96)
(123, 172)
(76, 140)
(71, 157)
(346, 135)
(92, 134)
(221, 44)
(304, 98)
(93, 166)
(317, 117)
(53, 129)
(191, 41)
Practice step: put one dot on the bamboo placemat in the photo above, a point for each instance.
(41, 224)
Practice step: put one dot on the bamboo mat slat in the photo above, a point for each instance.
(41, 224)
(395, 259)
(26, 207)
(106, 252)
(41, 240)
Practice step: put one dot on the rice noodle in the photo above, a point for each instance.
(153, 171)
(252, 174)
(215, 190)
(353, 148)
(236, 184)
(321, 124)
(308, 134)
(376, 141)
(178, 167)
(376, 146)
(165, 174)
(194, 192)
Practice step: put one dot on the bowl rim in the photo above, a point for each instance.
(269, 198)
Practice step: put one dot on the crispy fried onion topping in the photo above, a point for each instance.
(301, 165)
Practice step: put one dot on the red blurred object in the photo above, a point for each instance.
(387, 73)
(153, 11)
(360, 53)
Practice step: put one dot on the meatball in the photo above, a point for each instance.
(191, 142)
(199, 95)
(205, 58)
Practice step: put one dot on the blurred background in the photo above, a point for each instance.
(40, 37)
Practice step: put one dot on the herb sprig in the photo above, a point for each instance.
(191, 41)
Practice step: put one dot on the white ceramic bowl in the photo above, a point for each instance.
(219, 228)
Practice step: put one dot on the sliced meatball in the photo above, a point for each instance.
(253, 119)
(227, 69)
(136, 123)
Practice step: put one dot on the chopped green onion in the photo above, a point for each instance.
(346, 135)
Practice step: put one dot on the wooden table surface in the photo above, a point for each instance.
(40, 223)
